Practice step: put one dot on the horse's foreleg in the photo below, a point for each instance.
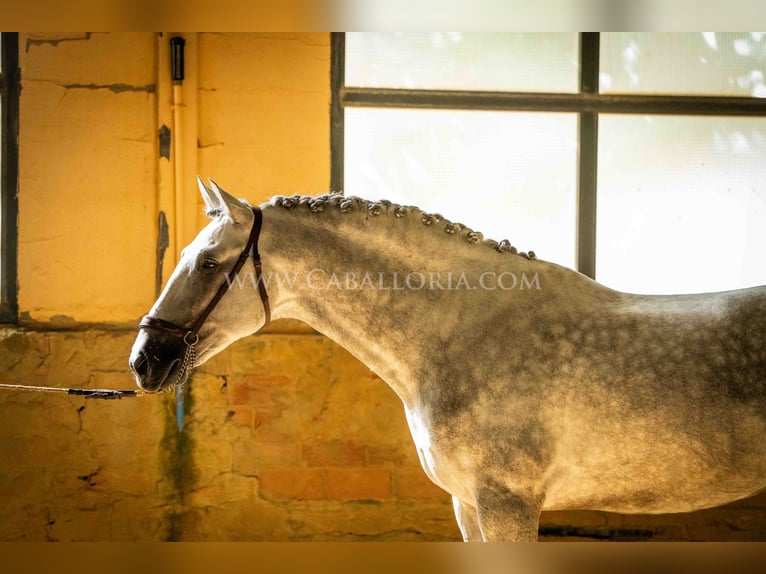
(467, 520)
(507, 515)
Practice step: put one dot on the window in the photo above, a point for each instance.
(9, 103)
(637, 158)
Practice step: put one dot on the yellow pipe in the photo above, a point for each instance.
(178, 166)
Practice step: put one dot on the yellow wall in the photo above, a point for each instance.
(91, 107)
(264, 113)
(286, 437)
(274, 447)
(87, 172)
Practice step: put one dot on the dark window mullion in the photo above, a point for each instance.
(587, 167)
(337, 115)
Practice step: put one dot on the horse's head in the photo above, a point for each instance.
(203, 307)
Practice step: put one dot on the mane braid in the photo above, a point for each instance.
(351, 204)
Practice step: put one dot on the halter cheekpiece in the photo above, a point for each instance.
(190, 335)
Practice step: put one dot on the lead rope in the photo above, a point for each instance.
(87, 393)
(190, 357)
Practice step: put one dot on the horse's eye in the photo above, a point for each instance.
(209, 264)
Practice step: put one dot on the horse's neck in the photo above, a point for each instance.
(391, 326)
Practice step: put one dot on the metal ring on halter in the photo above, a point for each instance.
(188, 342)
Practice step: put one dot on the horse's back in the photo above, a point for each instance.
(672, 417)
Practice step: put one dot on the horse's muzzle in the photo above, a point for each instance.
(155, 361)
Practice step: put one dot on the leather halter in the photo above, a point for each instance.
(190, 335)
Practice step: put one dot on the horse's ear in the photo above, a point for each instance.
(211, 201)
(233, 207)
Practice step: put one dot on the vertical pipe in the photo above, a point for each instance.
(178, 161)
(165, 169)
(177, 72)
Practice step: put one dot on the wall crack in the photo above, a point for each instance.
(115, 88)
(55, 42)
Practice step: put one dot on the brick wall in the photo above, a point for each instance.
(273, 448)
(311, 439)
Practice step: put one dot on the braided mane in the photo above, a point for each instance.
(353, 204)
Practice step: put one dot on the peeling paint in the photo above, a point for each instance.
(200, 145)
(163, 240)
(55, 42)
(49, 524)
(165, 142)
(115, 88)
(88, 478)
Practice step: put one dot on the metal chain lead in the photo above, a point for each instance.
(190, 357)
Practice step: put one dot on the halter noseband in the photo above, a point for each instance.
(190, 335)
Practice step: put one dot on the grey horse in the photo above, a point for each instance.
(526, 385)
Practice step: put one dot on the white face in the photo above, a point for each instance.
(206, 264)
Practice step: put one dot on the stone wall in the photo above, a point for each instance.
(285, 437)
(306, 444)
(76, 469)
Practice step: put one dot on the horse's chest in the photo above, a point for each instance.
(437, 458)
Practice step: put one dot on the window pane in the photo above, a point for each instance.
(463, 61)
(508, 175)
(681, 203)
(711, 63)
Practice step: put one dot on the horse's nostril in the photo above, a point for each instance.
(140, 365)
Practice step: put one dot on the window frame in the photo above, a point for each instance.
(9, 90)
(588, 103)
